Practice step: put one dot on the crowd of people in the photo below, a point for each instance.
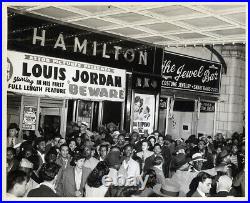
(112, 163)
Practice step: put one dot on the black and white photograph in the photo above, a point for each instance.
(142, 101)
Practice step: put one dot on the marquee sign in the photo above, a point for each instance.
(54, 77)
(191, 74)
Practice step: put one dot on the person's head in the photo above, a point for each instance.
(115, 149)
(204, 182)
(48, 172)
(209, 139)
(115, 138)
(87, 151)
(83, 127)
(72, 144)
(145, 145)
(62, 141)
(13, 130)
(157, 149)
(111, 127)
(235, 149)
(224, 183)
(156, 133)
(128, 150)
(161, 140)
(121, 139)
(220, 136)
(201, 145)
(51, 156)
(134, 136)
(151, 181)
(64, 150)
(78, 160)
(103, 150)
(218, 149)
(96, 176)
(113, 159)
(197, 161)
(78, 140)
(17, 183)
(56, 140)
(11, 153)
(40, 144)
(152, 140)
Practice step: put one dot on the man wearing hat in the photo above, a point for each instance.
(184, 177)
(13, 139)
(27, 167)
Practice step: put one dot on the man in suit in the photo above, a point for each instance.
(73, 179)
(40, 146)
(13, 138)
(48, 174)
(204, 185)
(149, 161)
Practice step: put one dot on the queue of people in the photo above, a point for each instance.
(112, 163)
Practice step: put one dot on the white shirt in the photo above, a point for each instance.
(90, 163)
(132, 168)
(78, 179)
(42, 156)
(113, 174)
(145, 154)
(96, 192)
(201, 193)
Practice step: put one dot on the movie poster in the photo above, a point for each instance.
(143, 113)
(29, 118)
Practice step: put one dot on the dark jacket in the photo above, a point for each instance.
(67, 185)
(42, 191)
(222, 194)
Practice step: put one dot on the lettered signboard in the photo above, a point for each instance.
(192, 74)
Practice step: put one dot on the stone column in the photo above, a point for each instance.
(231, 106)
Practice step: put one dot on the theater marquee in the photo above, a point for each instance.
(54, 77)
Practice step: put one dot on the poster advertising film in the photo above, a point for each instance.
(54, 77)
(143, 113)
(29, 118)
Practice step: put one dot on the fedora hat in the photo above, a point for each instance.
(85, 123)
(180, 160)
(167, 189)
(197, 157)
(13, 126)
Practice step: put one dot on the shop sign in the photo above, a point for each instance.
(146, 82)
(29, 118)
(207, 107)
(163, 103)
(59, 78)
(34, 35)
(192, 74)
(143, 113)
